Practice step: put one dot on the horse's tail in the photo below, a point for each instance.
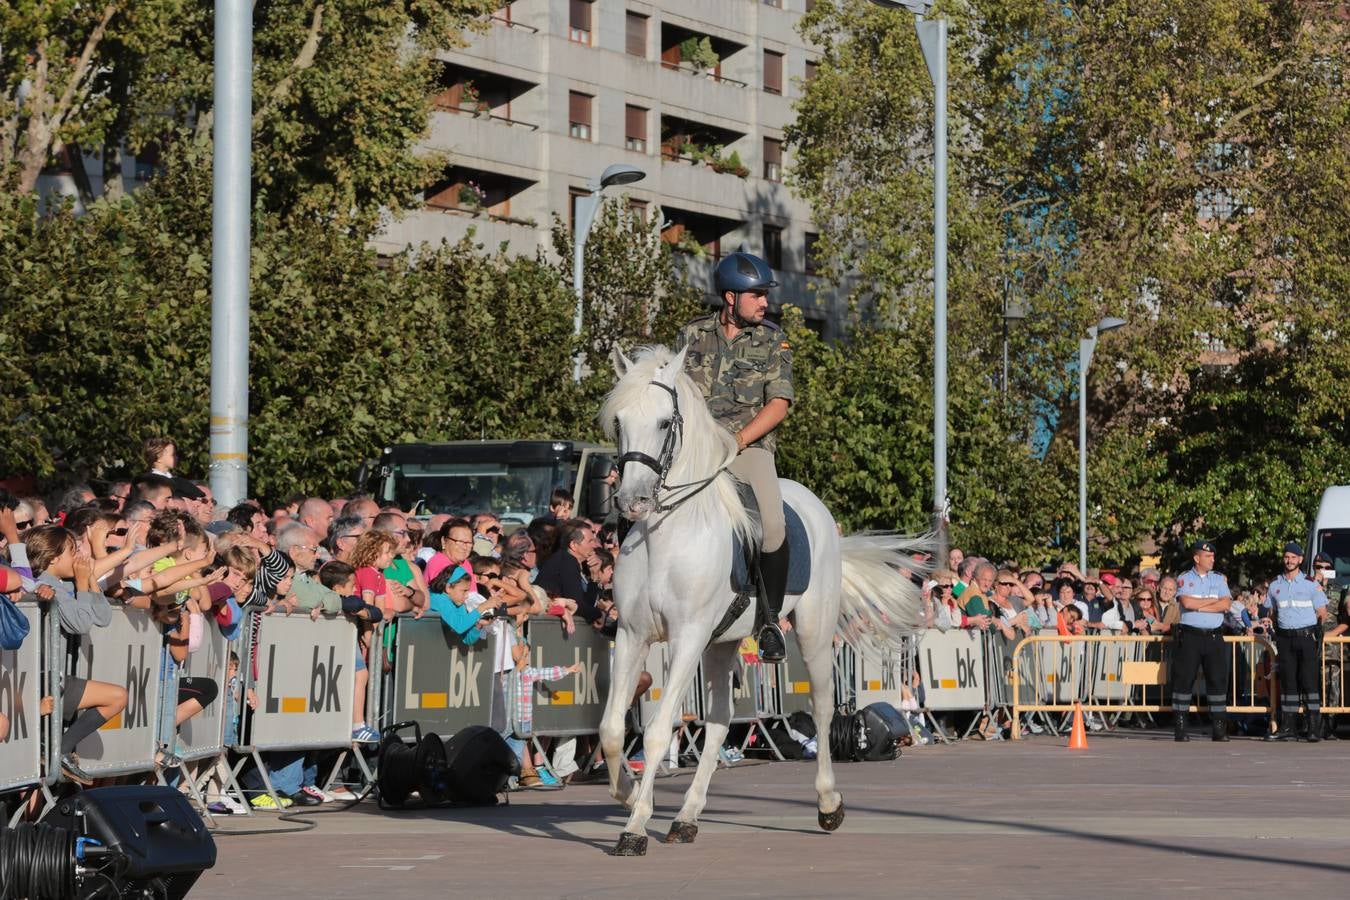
(880, 604)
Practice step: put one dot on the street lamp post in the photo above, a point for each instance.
(619, 173)
(933, 43)
(1086, 346)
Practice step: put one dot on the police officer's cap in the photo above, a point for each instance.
(741, 271)
(1322, 558)
(1294, 547)
(1202, 546)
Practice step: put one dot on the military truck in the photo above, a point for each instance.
(513, 479)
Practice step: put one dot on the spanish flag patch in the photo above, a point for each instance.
(785, 345)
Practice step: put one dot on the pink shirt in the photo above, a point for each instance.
(439, 562)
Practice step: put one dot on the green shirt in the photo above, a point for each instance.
(399, 571)
(975, 605)
(738, 377)
(309, 593)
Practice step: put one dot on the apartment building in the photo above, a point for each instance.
(696, 93)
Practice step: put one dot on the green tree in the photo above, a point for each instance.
(341, 90)
(1113, 158)
(636, 290)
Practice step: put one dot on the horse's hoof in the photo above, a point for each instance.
(631, 844)
(832, 820)
(682, 833)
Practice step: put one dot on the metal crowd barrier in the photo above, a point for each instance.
(1335, 651)
(1128, 674)
(21, 692)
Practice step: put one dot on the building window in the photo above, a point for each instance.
(812, 69)
(579, 115)
(635, 38)
(635, 128)
(773, 72)
(811, 253)
(776, 4)
(773, 160)
(773, 246)
(638, 209)
(579, 21)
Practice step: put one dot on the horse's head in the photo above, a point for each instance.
(643, 415)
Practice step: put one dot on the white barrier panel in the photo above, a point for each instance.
(953, 665)
(574, 704)
(306, 682)
(875, 682)
(203, 734)
(20, 677)
(441, 682)
(1063, 670)
(1108, 670)
(794, 694)
(126, 653)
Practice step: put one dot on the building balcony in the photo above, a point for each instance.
(434, 226)
(485, 140)
(704, 93)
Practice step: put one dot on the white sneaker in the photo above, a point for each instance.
(339, 795)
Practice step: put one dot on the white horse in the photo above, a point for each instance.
(673, 583)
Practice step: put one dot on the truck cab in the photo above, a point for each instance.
(511, 479)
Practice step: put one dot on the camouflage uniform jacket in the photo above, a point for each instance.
(738, 377)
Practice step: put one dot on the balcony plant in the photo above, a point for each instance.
(729, 164)
(699, 53)
(472, 197)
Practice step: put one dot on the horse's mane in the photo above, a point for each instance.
(706, 446)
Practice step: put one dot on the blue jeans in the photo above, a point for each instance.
(288, 771)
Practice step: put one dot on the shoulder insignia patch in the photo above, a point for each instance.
(785, 345)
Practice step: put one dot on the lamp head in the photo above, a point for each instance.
(918, 7)
(621, 173)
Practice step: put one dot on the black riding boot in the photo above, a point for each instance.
(773, 568)
(1314, 727)
(1179, 729)
(1218, 727)
(1329, 729)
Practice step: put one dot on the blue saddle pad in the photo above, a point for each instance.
(799, 557)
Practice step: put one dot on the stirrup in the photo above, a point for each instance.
(772, 644)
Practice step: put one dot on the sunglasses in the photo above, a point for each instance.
(1323, 568)
(119, 532)
(493, 530)
(24, 525)
(1008, 583)
(942, 587)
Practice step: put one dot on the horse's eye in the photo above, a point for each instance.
(664, 424)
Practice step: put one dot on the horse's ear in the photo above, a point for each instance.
(621, 363)
(676, 365)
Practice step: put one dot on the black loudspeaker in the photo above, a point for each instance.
(884, 727)
(155, 839)
(479, 762)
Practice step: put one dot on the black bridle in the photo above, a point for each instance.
(661, 465)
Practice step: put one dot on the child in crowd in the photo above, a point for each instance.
(527, 676)
(374, 552)
(341, 579)
(81, 606)
(449, 600)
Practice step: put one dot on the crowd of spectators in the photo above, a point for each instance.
(160, 542)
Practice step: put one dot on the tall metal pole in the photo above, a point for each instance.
(585, 217)
(933, 42)
(231, 192)
(1085, 348)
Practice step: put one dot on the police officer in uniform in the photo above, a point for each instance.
(743, 366)
(1335, 623)
(1298, 605)
(1204, 597)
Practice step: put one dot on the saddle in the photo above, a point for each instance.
(746, 581)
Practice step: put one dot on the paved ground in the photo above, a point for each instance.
(1133, 816)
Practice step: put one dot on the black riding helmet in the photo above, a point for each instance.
(741, 271)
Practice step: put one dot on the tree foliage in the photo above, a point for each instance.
(341, 90)
(1181, 166)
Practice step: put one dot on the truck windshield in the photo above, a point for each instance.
(1336, 544)
(515, 493)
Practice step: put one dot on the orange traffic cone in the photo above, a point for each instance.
(1078, 736)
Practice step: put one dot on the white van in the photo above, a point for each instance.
(1331, 531)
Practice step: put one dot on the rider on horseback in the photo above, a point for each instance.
(743, 366)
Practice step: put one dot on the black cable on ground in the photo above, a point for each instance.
(844, 736)
(37, 861)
